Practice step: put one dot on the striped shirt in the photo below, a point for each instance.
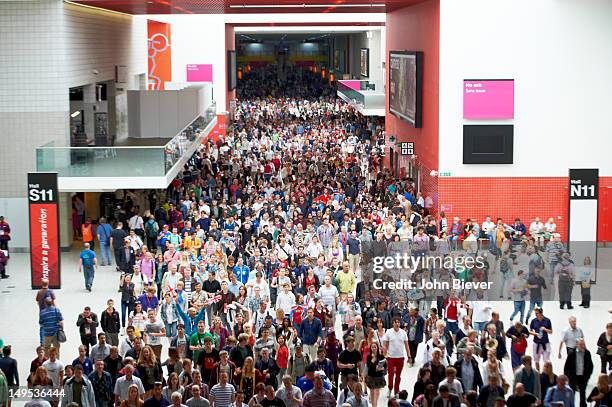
(315, 399)
(50, 318)
(222, 395)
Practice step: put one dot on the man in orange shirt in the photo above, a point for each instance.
(87, 231)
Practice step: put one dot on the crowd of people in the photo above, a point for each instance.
(249, 282)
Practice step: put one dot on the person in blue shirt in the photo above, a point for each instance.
(540, 327)
(104, 232)
(560, 395)
(87, 264)
(311, 333)
(149, 300)
(306, 382)
(84, 361)
(242, 271)
(51, 321)
(191, 319)
(163, 237)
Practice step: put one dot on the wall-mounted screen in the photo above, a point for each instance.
(231, 70)
(488, 99)
(405, 85)
(364, 62)
(488, 144)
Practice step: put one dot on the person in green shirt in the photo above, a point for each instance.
(196, 342)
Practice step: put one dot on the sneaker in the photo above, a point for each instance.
(5, 276)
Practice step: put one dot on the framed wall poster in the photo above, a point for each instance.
(364, 62)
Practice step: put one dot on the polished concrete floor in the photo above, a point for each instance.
(19, 312)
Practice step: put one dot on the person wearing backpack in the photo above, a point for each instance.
(566, 273)
(151, 231)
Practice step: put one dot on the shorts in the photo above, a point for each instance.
(541, 351)
(375, 382)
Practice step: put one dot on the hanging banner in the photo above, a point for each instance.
(160, 55)
(44, 231)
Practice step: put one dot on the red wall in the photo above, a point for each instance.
(604, 221)
(417, 28)
(522, 197)
(507, 198)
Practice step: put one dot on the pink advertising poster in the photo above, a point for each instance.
(199, 72)
(488, 99)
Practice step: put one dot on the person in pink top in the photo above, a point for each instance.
(147, 266)
(171, 256)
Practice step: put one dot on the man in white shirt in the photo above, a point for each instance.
(290, 394)
(454, 386)
(124, 382)
(396, 349)
(285, 299)
(481, 312)
(536, 230)
(128, 342)
(487, 226)
(55, 368)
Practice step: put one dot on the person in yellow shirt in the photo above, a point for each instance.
(192, 242)
(346, 280)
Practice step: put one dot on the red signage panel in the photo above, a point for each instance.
(44, 229)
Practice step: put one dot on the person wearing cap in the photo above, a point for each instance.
(298, 363)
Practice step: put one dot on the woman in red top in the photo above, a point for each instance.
(311, 280)
(282, 357)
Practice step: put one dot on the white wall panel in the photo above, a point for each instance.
(560, 55)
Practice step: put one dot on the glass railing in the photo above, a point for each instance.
(368, 95)
(141, 161)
